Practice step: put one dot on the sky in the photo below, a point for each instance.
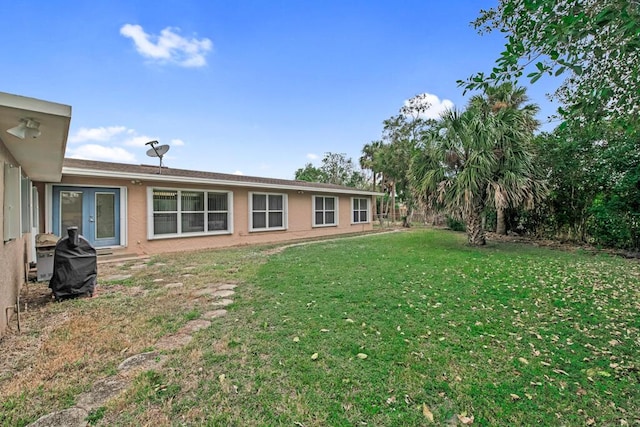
(257, 88)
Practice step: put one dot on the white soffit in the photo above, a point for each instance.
(41, 158)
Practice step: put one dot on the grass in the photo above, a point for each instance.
(508, 334)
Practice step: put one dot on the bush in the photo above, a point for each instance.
(455, 224)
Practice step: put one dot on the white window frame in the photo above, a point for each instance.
(35, 211)
(285, 209)
(314, 211)
(180, 234)
(12, 206)
(359, 210)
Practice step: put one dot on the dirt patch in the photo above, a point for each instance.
(75, 345)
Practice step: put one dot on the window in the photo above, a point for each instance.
(35, 212)
(189, 212)
(193, 217)
(25, 204)
(12, 210)
(165, 212)
(324, 211)
(267, 211)
(217, 211)
(360, 210)
(105, 220)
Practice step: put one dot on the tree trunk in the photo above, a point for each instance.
(501, 222)
(407, 219)
(475, 231)
(386, 209)
(393, 207)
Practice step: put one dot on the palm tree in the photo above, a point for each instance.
(368, 160)
(505, 103)
(474, 159)
(455, 166)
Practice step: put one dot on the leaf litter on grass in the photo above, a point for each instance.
(443, 324)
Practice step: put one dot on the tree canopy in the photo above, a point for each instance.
(481, 158)
(336, 169)
(594, 44)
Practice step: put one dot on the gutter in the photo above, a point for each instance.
(96, 173)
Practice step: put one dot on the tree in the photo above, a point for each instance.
(395, 157)
(336, 169)
(594, 43)
(475, 159)
(505, 102)
(341, 170)
(310, 173)
(369, 161)
(454, 168)
(594, 179)
(392, 156)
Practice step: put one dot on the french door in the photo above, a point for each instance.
(94, 210)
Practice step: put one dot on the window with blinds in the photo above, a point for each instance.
(189, 212)
(360, 210)
(325, 211)
(267, 211)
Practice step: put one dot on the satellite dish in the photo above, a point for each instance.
(157, 151)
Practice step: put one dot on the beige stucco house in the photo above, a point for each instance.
(140, 209)
(143, 209)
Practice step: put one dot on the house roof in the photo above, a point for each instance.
(148, 173)
(41, 157)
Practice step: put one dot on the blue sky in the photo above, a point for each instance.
(253, 87)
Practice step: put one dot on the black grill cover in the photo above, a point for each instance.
(75, 267)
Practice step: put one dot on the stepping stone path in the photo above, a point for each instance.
(222, 302)
(222, 294)
(215, 314)
(108, 388)
(174, 285)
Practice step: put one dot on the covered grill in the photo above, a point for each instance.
(45, 249)
(75, 267)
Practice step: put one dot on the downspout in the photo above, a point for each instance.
(16, 309)
(16, 306)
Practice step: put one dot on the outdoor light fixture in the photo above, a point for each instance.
(27, 129)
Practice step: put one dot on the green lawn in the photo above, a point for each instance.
(380, 330)
(507, 334)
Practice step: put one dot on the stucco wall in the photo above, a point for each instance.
(12, 257)
(299, 218)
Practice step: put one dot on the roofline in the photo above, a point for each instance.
(36, 105)
(190, 180)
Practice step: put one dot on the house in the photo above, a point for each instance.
(33, 139)
(140, 209)
(146, 209)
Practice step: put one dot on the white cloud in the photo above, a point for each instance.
(96, 134)
(312, 156)
(169, 46)
(177, 142)
(108, 143)
(427, 106)
(238, 173)
(137, 140)
(99, 152)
